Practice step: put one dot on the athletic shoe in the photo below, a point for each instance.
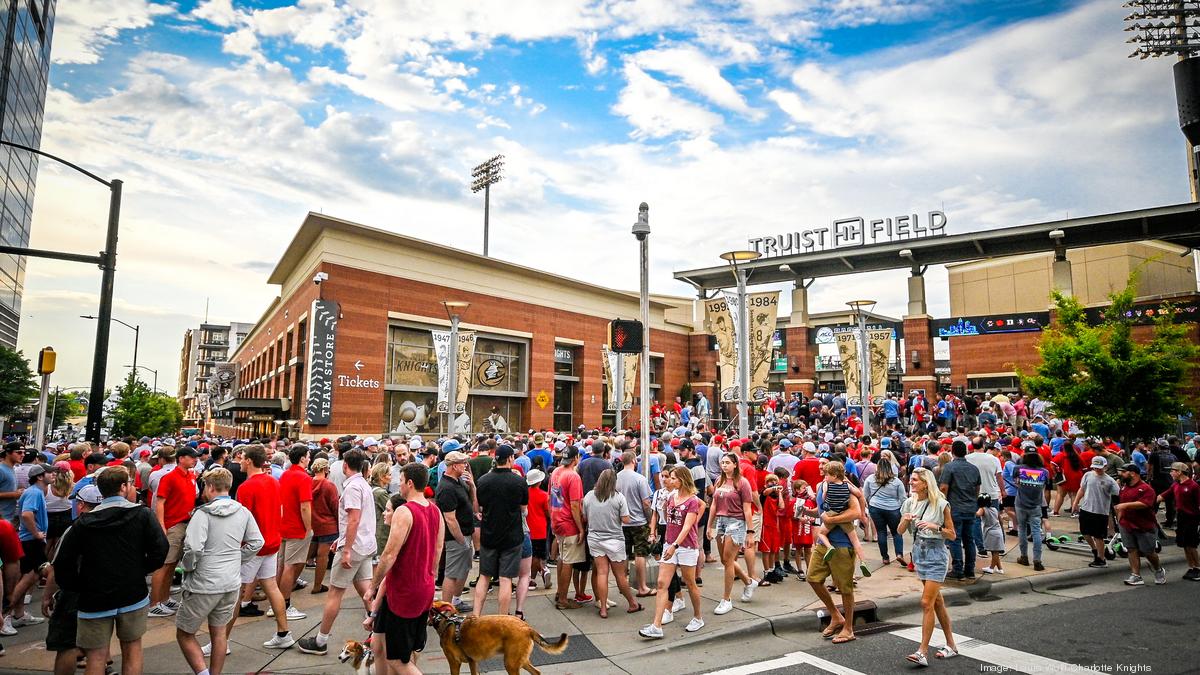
(171, 604)
(1160, 578)
(668, 617)
(694, 625)
(300, 583)
(679, 605)
(7, 628)
(1192, 574)
(27, 620)
(250, 610)
(463, 606)
(723, 607)
(1134, 580)
(993, 570)
(789, 568)
(611, 604)
(207, 649)
(309, 645)
(1038, 566)
(546, 578)
(1098, 562)
(651, 631)
(294, 614)
(277, 642)
(748, 591)
(160, 610)
(583, 597)
(311, 564)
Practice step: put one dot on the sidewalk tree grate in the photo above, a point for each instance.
(579, 648)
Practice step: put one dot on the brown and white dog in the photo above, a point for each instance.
(477, 638)
(359, 655)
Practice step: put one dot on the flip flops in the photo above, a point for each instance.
(843, 639)
(945, 653)
(832, 630)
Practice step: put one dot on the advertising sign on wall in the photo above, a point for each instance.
(322, 341)
(1188, 312)
(990, 324)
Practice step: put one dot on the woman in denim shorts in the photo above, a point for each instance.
(731, 501)
(928, 513)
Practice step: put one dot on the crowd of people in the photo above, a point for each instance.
(200, 530)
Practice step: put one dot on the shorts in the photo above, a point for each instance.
(60, 629)
(1045, 513)
(732, 527)
(755, 525)
(684, 557)
(931, 560)
(204, 609)
(59, 522)
(294, 551)
(1142, 542)
(637, 540)
(10, 545)
(1187, 530)
(840, 567)
(175, 535)
(571, 550)
(1093, 524)
(526, 548)
(500, 563)
(402, 637)
(1009, 502)
(459, 558)
(612, 549)
(361, 569)
(97, 633)
(35, 555)
(539, 548)
(259, 567)
(325, 538)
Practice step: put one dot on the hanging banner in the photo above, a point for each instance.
(847, 344)
(620, 371)
(719, 324)
(322, 338)
(764, 309)
(466, 353)
(881, 350)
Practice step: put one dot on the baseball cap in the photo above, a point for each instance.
(785, 443)
(90, 494)
(1099, 462)
(187, 452)
(451, 445)
(36, 470)
(885, 442)
(535, 477)
(1180, 466)
(169, 440)
(1130, 466)
(456, 457)
(370, 442)
(504, 453)
(538, 438)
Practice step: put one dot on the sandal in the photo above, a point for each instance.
(832, 630)
(519, 614)
(919, 659)
(603, 612)
(635, 610)
(945, 653)
(647, 593)
(764, 583)
(843, 639)
(322, 589)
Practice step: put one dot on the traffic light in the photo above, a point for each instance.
(625, 336)
(46, 359)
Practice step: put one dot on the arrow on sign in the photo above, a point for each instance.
(358, 364)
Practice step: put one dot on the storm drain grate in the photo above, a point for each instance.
(579, 648)
(1063, 587)
(879, 627)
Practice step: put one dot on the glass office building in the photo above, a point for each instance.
(26, 26)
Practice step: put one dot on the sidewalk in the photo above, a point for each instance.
(786, 607)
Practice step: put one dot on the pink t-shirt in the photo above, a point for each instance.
(566, 488)
(676, 515)
(727, 501)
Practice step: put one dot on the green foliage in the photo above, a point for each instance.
(685, 392)
(18, 384)
(1109, 383)
(141, 412)
(69, 404)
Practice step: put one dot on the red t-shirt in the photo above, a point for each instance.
(178, 490)
(566, 488)
(78, 470)
(1138, 520)
(808, 470)
(260, 494)
(1187, 497)
(750, 473)
(295, 488)
(538, 499)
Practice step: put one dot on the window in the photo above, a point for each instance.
(564, 361)
(995, 384)
(410, 359)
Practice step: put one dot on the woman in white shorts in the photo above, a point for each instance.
(605, 512)
(681, 549)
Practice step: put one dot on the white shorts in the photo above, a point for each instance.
(614, 550)
(684, 557)
(259, 567)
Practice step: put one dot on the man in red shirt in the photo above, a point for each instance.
(120, 452)
(173, 506)
(295, 491)
(566, 521)
(749, 468)
(1139, 528)
(260, 494)
(1185, 494)
(78, 452)
(808, 469)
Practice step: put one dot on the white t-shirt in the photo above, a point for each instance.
(988, 466)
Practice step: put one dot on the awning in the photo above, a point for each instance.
(266, 405)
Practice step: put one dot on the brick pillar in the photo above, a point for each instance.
(801, 357)
(917, 338)
(541, 378)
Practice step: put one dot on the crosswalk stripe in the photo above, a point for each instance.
(998, 655)
(793, 659)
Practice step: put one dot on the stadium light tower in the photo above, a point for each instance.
(483, 177)
(1172, 28)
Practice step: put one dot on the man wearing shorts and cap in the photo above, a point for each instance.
(566, 521)
(1139, 528)
(455, 498)
(1185, 494)
(33, 524)
(503, 499)
(1093, 502)
(173, 503)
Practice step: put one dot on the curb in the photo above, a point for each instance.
(905, 604)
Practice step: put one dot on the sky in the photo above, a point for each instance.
(229, 120)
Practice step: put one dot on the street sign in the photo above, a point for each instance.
(542, 399)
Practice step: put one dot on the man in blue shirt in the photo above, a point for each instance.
(13, 454)
(891, 412)
(34, 522)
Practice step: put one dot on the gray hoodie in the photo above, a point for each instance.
(220, 537)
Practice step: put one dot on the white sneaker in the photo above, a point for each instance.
(28, 598)
(723, 607)
(31, 620)
(993, 570)
(678, 606)
(277, 642)
(668, 617)
(612, 603)
(160, 610)
(651, 631)
(294, 614)
(748, 591)
(694, 625)
(207, 649)
(7, 627)
(1134, 580)
(172, 604)
(1160, 578)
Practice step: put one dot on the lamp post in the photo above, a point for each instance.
(641, 230)
(743, 335)
(452, 309)
(136, 334)
(483, 177)
(135, 367)
(861, 307)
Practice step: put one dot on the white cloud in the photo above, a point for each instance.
(83, 28)
(697, 72)
(654, 112)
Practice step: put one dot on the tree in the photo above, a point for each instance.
(68, 404)
(141, 412)
(1112, 385)
(18, 384)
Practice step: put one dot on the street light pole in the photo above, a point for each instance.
(641, 230)
(135, 367)
(137, 331)
(452, 357)
(743, 336)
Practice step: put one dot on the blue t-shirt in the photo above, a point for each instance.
(1041, 429)
(702, 452)
(33, 499)
(547, 458)
(891, 408)
(525, 463)
(1140, 460)
(685, 416)
(1056, 444)
(1010, 479)
(8, 483)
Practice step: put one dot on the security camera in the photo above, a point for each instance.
(785, 268)
(319, 277)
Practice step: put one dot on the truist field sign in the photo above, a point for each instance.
(855, 231)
